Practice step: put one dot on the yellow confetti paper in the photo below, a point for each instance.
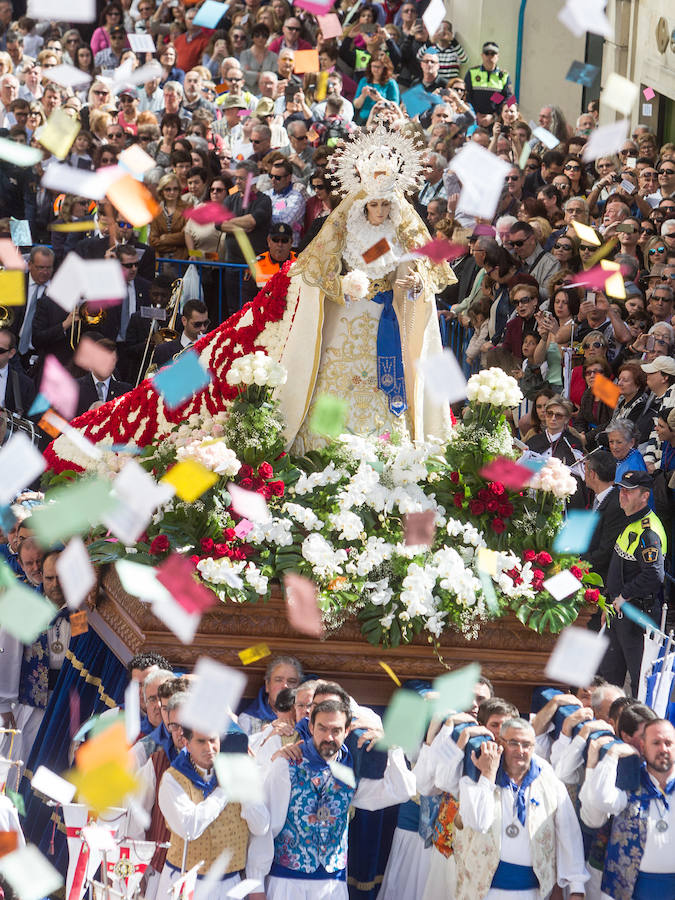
(12, 287)
(487, 560)
(104, 786)
(190, 479)
(253, 654)
(321, 87)
(247, 250)
(72, 226)
(390, 672)
(58, 134)
(585, 233)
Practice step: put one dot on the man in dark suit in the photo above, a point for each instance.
(97, 387)
(38, 276)
(138, 294)
(136, 342)
(17, 391)
(100, 247)
(195, 323)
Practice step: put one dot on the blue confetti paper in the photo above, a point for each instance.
(181, 380)
(582, 73)
(210, 13)
(576, 532)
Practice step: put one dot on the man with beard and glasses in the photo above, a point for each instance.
(641, 851)
(308, 802)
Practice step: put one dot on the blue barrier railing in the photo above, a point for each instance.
(221, 285)
(456, 337)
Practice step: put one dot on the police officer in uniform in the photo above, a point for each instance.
(279, 250)
(636, 574)
(487, 79)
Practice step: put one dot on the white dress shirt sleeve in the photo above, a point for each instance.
(396, 786)
(476, 805)
(277, 794)
(567, 759)
(599, 795)
(187, 819)
(572, 873)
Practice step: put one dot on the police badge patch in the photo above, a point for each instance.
(650, 554)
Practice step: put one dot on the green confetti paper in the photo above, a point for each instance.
(405, 721)
(74, 510)
(328, 417)
(455, 690)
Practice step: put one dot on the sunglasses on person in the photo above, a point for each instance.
(101, 93)
(657, 250)
(319, 186)
(129, 265)
(280, 240)
(279, 177)
(593, 372)
(594, 345)
(217, 190)
(292, 27)
(559, 246)
(649, 231)
(532, 167)
(513, 177)
(115, 134)
(523, 301)
(489, 52)
(519, 243)
(584, 248)
(572, 168)
(666, 171)
(201, 325)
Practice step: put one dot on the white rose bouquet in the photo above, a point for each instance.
(256, 368)
(555, 478)
(494, 387)
(355, 284)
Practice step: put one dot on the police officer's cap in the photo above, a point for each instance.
(281, 229)
(636, 479)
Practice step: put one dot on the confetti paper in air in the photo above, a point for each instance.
(208, 213)
(9, 842)
(511, 474)
(433, 16)
(59, 387)
(390, 672)
(489, 592)
(444, 379)
(74, 510)
(343, 773)
(328, 416)
(582, 73)
(69, 76)
(20, 464)
(249, 504)
(253, 654)
(331, 26)
(10, 256)
(90, 355)
(133, 200)
(78, 10)
(302, 605)
(620, 93)
(376, 251)
(215, 690)
(109, 745)
(180, 381)
(190, 479)
(420, 528)
(576, 656)
(636, 615)
(132, 712)
(104, 786)
(456, 690)
(210, 13)
(562, 584)
(247, 250)
(59, 132)
(605, 140)
(487, 560)
(440, 250)
(12, 287)
(29, 874)
(649, 93)
(239, 776)
(177, 575)
(135, 160)
(497, 97)
(306, 61)
(548, 140)
(577, 531)
(482, 176)
(78, 623)
(52, 785)
(19, 154)
(24, 613)
(405, 721)
(605, 390)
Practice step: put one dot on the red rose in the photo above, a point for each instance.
(497, 525)
(459, 499)
(538, 575)
(544, 558)
(529, 556)
(576, 571)
(514, 575)
(591, 595)
(496, 487)
(207, 545)
(477, 507)
(278, 488)
(229, 534)
(256, 484)
(454, 477)
(537, 585)
(265, 470)
(484, 495)
(245, 471)
(159, 545)
(505, 509)
(246, 484)
(266, 491)
(194, 560)
(220, 550)
(492, 506)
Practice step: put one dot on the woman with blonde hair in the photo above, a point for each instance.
(167, 229)
(98, 95)
(267, 16)
(99, 120)
(6, 64)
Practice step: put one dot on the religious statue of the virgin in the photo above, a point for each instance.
(351, 317)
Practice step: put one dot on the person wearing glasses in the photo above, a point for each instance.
(195, 324)
(656, 253)
(520, 833)
(534, 260)
(17, 390)
(288, 205)
(487, 79)
(290, 37)
(167, 228)
(111, 15)
(111, 56)
(574, 170)
(127, 118)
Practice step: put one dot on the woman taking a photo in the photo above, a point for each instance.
(376, 84)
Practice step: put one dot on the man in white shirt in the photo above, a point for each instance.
(641, 850)
(512, 817)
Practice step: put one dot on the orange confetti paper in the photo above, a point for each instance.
(9, 841)
(376, 251)
(605, 390)
(109, 746)
(78, 623)
(133, 200)
(305, 61)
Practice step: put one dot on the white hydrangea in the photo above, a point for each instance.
(495, 387)
(213, 454)
(555, 478)
(347, 523)
(304, 516)
(256, 368)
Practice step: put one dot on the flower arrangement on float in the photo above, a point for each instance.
(337, 516)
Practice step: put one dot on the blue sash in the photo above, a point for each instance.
(510, 877)
(390, 376)
(655, 886)
(319, 874)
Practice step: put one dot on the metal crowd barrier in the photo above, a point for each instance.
(456, 337)
(208, 267)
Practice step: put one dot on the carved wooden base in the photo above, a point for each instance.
(512, 657)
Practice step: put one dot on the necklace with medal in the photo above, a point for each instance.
(323, 813)
(661, 824)
(57, 646)
(513, 830)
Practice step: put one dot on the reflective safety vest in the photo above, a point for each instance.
(265, 267)
(482, 80)
(627, 542)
